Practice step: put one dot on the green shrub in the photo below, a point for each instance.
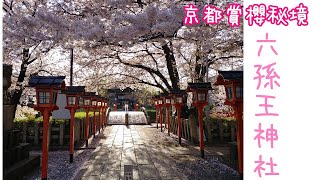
(152, 113)
(82, 115)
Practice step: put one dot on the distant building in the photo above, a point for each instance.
(120, 97)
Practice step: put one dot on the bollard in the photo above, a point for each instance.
(126, 119)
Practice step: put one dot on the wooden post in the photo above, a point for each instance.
(24, 131)
(36, 133)
(232, 131)
(61, 134)
(221, 129)
(193, 129)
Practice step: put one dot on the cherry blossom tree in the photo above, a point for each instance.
(117, 42)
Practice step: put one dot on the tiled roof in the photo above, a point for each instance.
(46, 81)
(199, 86)
(74, 90)
(90, 94)
(232, 75)
(178, 91)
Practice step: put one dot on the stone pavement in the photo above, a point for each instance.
(152, 154)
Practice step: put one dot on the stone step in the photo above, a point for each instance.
(22, 168)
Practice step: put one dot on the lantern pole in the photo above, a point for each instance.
(160, 108)
(44, 166)
(102, 117)
(72, 112)
(200, 109)
(87, 127)
(179, 122)
(94, 121)
(99, 117)
(156, 116)
(238, 110)
(168, 118)
(105, 115)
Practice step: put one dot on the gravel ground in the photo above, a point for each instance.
(210, 168)
(59, 167)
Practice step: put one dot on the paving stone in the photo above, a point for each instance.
(110, 175)
(94, 170)
(91, 178)
(147, 171)
(153, 154)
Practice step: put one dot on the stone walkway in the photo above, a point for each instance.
(152, 154)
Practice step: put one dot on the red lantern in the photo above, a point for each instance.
(47, 88)
(87, 105)
(94, 107)
(200, 100)
(73, 94)
(99, 106)
(167, 104)
(178, 96)
(156, 106)
(105, 111)
(160, 105)
(233, 84)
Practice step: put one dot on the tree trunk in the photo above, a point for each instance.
(19, 88)
(172, 66)
(200, 70)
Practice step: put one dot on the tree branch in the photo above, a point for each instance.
(141, 81)
(148, 69)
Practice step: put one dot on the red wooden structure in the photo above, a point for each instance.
(104, 108)
(105, 112)
(47, 88)
(178, 101)
(136, 107)
(94, 107)
(167, 104)
(155, 99)
(87, 105)
(200, 100)
(160, 105)
(99, 107)
(114, 107)
(73, 93)
(233, 83)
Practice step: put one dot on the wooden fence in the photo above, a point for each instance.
(31, 132)
(216, 131)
